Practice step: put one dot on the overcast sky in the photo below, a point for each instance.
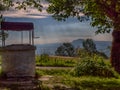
(50, 30)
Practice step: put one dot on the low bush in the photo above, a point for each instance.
(83, 53)
(95, 66)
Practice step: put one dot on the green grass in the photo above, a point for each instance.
(93, 83)
(53, 71)
(56, 61)
(80, 83)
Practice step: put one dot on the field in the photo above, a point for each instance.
(56, 61)
(63, 80)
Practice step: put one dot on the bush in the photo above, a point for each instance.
(95, 66)
(83, 53)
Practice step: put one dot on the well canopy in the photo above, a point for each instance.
(17, 26)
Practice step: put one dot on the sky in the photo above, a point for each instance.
(50, 30)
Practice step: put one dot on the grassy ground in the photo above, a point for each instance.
(63, 79)
(56, 61)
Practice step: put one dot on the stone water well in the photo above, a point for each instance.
(18, 60)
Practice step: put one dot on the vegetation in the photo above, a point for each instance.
(93, 83)
(89, 73)
(105, 19)
(53, 72)
(3, 35)
(7, 4)
(83, 53)
(89, 45)
(89, 48)
(46, 60)
(95, 66)
(66, 49)
(63, 79)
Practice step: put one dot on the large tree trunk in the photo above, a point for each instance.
(115, 52)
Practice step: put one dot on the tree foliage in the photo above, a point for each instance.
(89, 49)
(20, 4)
(66, 49)
(17, 4)
(104, 14)
(3, 35)
(89, 45)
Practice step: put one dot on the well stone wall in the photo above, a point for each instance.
(18, 60)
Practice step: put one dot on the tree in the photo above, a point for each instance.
(89, 45)
(89, 49)
(66, 49)
(3, 35)
(104, 14)
(20, 4)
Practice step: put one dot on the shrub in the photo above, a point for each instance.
(95, 66)
(83, 53)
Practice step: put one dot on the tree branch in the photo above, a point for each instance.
(109, 9)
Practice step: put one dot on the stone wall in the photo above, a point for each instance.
(18, 60)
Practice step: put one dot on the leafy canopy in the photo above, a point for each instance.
(20, 4)
(104, 14)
